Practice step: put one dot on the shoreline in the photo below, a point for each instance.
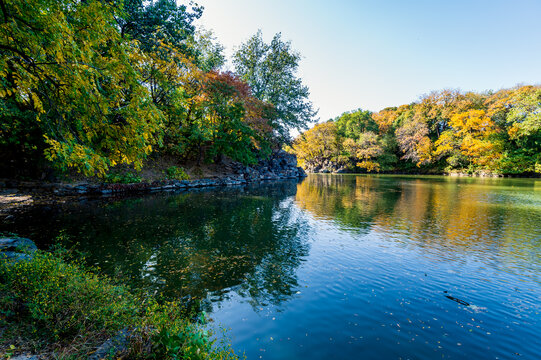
(85, 188)
(448, 174)
(16, 194)
(279, 166)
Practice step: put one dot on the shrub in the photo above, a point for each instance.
(62, 300)
(53, 305)
(176, 173)
(122, 178)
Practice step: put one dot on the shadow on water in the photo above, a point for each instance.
(197, 244)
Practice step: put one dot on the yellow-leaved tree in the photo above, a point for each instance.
(65, 67)
(471, 134)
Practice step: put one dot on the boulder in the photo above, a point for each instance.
(17, 249)
(113, 346)
(17, 244)
(280, 165)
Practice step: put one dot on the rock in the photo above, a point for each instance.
(17, 249)
(17, 244)
(112, 347)
(280, 165)
(179, 184)
(203, 183)
(15, 256)
(25, 357)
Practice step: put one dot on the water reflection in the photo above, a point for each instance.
(199, 244)
(334, 267)
(351, 201)
(449, 217)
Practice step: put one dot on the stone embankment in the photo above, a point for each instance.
(280, 165)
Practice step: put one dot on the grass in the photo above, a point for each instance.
(57, 307)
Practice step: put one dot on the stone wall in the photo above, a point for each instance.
(280, 165)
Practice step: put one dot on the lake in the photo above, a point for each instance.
(335, 266)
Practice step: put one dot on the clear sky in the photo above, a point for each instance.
(374, 54)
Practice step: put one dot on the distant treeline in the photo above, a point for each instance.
(445, 131)
(89, 85)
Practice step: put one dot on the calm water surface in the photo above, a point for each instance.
(342, 267)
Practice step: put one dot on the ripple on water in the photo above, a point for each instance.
(340, 267)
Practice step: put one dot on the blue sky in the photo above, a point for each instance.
(374, 54)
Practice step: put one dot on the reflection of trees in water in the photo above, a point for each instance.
(274, 279)
(195, 244)
(448, 215)
(352, 201)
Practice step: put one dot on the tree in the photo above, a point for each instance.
(469, 131)
(230, 110)
(517, 114)
(414, 142)
(471, 135)
(524, 116)
(214, 114)
(364, 151)
(156, 21)
(389, 118)
(207, 51)
(317, 145)
(270, 70)
(68, 72)
(352, 124)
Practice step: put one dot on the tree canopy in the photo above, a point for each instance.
(270, 69)
(444, 131)
(91, 85)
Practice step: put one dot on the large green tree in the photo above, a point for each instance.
(271, 71)
(152, 21)
(353, 123)
(68, 87)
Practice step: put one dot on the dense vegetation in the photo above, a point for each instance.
(445, 131)
(50, 305)
(91, 85)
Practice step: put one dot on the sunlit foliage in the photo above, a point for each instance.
(446, 131)
(270, 69)
(69, 87)
(318, 144)
(91, 85)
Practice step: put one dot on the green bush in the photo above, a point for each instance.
(122, 178)
(62, 300)
(53, 305)
(176, 173)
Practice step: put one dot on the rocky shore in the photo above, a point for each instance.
(330, 167)
(280, 165)
(327, 167)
